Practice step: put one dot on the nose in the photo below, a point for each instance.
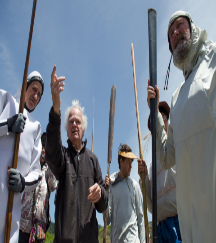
(74, 123)
(176, 32)
(36, 96)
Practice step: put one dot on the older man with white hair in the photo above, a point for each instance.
(81, 189)
(191, 139)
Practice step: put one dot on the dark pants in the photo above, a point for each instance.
(169, 231)
(23, 237)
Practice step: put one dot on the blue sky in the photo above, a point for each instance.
(90, 43)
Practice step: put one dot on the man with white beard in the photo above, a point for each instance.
(191, 139)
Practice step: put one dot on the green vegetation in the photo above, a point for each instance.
(49, 237)
(101, 234)
(51, 228)
(150, 229)
(50, 233)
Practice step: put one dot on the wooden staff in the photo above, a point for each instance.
(17, 136)
(93, 127)
(153, 106)
(110, 143)
(140, 149)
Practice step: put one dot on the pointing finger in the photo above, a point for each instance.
(53, 75)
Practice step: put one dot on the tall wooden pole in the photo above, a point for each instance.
(140, 149)
(152, 15)
(17, 137)
(110, 143)
(93, 127)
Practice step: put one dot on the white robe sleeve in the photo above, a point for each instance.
(148, 192)
(165, 150)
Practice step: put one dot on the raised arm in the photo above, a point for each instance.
(54, 148)
(164, 141)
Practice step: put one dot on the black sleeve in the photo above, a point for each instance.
(54, 150)
(102, 204)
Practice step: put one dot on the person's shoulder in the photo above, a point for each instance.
(6, 94)
(134, 183)
(90, 153)
(3, 91)
(113, 177)
(209, 46)
(175, 95)
(211, 51)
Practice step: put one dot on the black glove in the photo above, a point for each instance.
(16, 123)
(16, 181)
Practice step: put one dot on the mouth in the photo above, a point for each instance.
(32, 101)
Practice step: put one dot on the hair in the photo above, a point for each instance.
(123, 148)
(43, 139)
(76, 104)
(163, 110)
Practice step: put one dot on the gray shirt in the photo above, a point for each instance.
(125, 210)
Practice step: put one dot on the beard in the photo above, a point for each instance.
(182, 47)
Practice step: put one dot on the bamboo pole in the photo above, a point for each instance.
(93, 127)
(140, 149)
(17, 137)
